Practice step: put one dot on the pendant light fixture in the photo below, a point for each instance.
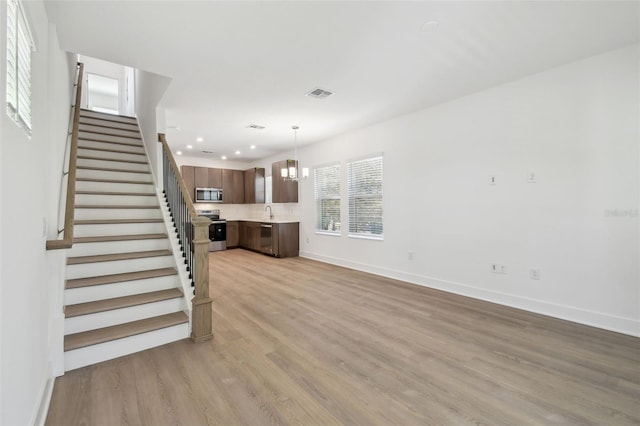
(290, 172)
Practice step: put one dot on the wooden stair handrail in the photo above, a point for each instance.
(176, 170)
(201, 314)
(67, 239)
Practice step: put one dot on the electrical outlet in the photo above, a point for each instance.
(531, 177)
(410, 255)
(534, 273)
(492, 179)
(307, 240)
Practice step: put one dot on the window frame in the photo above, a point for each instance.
(353, 197)
(19, 48)
(336, 197)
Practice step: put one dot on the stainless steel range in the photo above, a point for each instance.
(217, 229)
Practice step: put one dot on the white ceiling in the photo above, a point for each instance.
(236, 63)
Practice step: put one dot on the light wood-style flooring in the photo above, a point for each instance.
(302, 342)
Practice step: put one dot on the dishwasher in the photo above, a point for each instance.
(266, 244)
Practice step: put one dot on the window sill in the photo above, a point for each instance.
(330, 233)
(367, 237)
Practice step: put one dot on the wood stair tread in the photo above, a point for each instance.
(109, 134)
(93, 139)
(78, 260)
(118, 278)
(115, 160)
(128, 237)
(117, 151)
(110, 169)
(137, 194)
(114, 221)
(109, 206)
(120, 302)
(108, 124)
(101, 335)
(89, 113)
(136, 182)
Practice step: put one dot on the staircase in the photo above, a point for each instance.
(122, 291)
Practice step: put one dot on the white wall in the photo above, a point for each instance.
(576, 127)
(150, 88)
(29, 188)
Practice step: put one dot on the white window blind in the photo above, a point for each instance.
(19, 48)
(364, 190)
(327, 195)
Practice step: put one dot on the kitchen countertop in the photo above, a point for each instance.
(263, 220)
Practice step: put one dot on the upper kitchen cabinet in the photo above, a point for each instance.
(283, 191)
(215, 178)
(202, 177)
(254, 182)
(233, 186)
(188, 175)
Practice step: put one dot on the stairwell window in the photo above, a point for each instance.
(327, 196)
(364, 192)
(19, 47)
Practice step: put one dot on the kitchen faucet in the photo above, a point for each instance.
(270, 213)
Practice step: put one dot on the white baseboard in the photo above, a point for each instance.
(40, 414)
(609, 322)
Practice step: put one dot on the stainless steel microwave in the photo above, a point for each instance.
(208, 195)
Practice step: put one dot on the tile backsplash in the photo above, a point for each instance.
(252, 211)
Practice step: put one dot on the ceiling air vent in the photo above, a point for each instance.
(319, 93)
(255, 126)
(208, 152)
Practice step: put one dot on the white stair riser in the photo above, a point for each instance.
(109, 138)
(127, 288)
(110, 350)
(119, 200)
(152, 213)
(121, 316)
(87, 144)
(109, 155)
(104, 174)
(92, 249)
(105, 116)
(121, 165)
(117, 132)
(118, 266)
(118, 229)
(85, 185)
(118, 125)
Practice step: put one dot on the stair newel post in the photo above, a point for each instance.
(201, 324)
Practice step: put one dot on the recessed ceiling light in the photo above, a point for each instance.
(189, 146)
(179, 152)
(237, 152)
(252, 147)
(429, 26)
(224, 157)
(199, 139)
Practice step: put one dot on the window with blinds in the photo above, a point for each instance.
(327, 196)
(19, 48)
(364, 191)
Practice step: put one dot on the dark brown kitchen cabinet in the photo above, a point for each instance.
(283, 191)
(285, 239)
(250, 235)
(254, 185)
(188, 175)
(233, 186)
(215, 178)
(233, 234)
(202, 177)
